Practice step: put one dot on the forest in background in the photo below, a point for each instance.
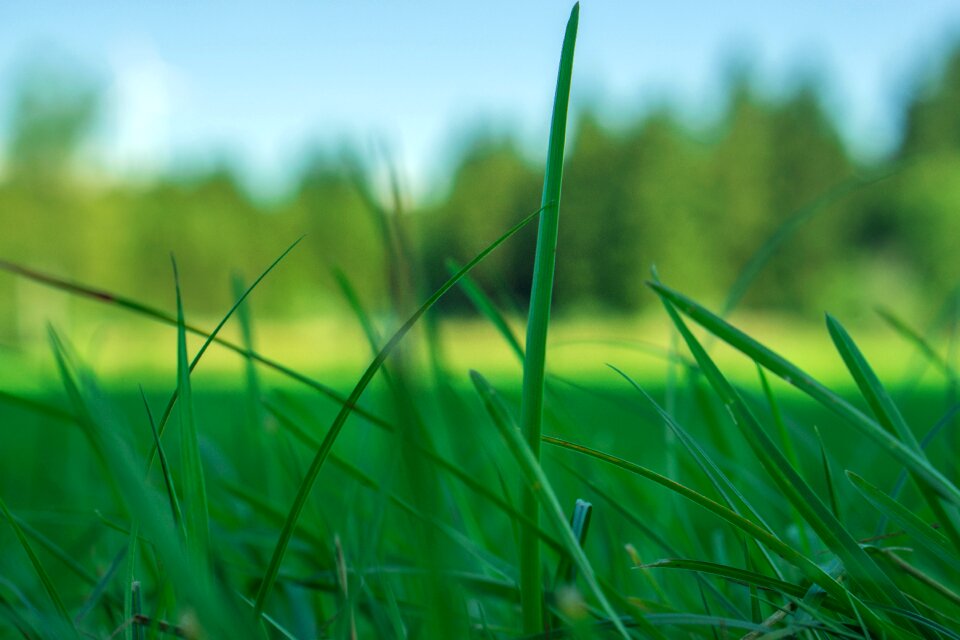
(696, 203)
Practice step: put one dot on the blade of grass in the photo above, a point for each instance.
(196, 516)
(920, 531)
(48, 585)
(539, 485)
(212, 336)
(346, 409)
(723, 485)
(887, 414)
(164, 467)
(788, 450)
(793, 375)
(809, 568)
(534, 363)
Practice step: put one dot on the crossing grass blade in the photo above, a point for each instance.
(306, 485)
(919, 530)
(164, 467)
(861, 567)
(196, 516)
(808, 567)
(534, 363)
(887, 414)
(540, 486)
(793, 375)
(52, 592)
(212, 337)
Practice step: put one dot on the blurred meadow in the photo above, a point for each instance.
(754, 194)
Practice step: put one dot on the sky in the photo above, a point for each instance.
(191, 82)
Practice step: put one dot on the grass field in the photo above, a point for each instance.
(404, 479)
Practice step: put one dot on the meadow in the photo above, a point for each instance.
(681, 481)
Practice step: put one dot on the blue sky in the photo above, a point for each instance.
(187, 82)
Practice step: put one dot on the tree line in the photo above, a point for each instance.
(696, 203)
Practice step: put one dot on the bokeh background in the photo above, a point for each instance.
(221, 133)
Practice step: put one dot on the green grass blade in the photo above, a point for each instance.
(870, 387)
(919, 530)
(534, 364)
(809, 568)
(857, 563)
(52, 592)
(793, 375)
(827, 476)
(212, 337)
(196, 516)
(346, 409)
(739, 576)
(723, 485)
(540, 486)
(164, 466)
(887, 414)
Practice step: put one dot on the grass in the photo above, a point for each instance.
(750, 500)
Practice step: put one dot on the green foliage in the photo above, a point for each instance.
(413, 529)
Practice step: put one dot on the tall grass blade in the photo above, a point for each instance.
(534, 363)
(540, 486)
(793, 375)
(196, 517)
(346, 409)
(52, 592)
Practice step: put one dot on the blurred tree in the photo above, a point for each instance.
(54, 109)
(931, 121)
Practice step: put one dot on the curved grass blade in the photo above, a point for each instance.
(793, 375)
(723, 485)
(468, 480)
(887, 414)
(196, 516)
(857, 563)
(739, 576)
(347, 408)
(52, 592)
(534, 363)
(809, 568)
(164, 467)
(919, 530)
(539, 484)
